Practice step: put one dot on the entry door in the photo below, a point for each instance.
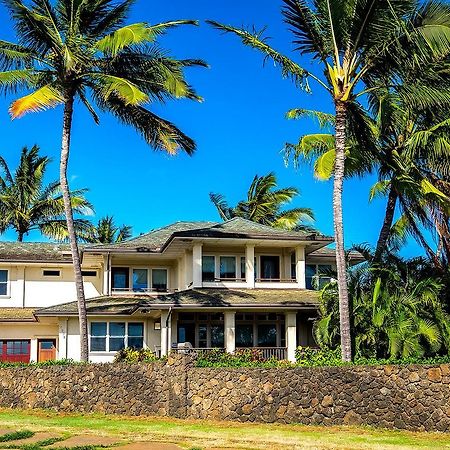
(46, 350)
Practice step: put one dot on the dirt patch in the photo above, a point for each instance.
(5, 431)
(149, 446)
(85, 439)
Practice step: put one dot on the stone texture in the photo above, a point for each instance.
(407, 397)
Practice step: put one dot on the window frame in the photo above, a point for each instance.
(149, 270)
(7, 283)
(108, 334)
(50, 269)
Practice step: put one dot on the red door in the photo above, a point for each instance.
(15, 351)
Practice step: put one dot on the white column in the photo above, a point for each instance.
(166, 333)
(230, 331)
(21, 284)
(188, 269)
(106, 264)
(33, 350)
(197, 265)
(287, 264)
(291, 335)
(250, 266)
(300, 267)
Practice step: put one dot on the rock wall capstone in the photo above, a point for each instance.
(407, 397)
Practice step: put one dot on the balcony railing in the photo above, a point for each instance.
(142, 290)
(278, 353)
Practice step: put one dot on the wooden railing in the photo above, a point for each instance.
(278, 353)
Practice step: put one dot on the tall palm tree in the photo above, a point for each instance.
(27, 203)
(107, 232)
(356, 43)
(264, 205)
(82, 50)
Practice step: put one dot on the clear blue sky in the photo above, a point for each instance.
(240, 130)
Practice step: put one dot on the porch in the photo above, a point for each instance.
(274, 334)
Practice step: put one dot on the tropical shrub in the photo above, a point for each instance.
(134, 355)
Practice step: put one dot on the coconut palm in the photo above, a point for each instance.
(107, 232)
(82, 50)
(27, 203)
(356, 43)
(264, 205)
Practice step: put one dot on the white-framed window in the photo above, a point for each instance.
(317, 275)
(139, 279)
(89, 273)
(113, 336)
(4, 282)
(227, 268)
(208, 268)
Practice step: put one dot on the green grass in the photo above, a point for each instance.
(16, 435)
(206, 434)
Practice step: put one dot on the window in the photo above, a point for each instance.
(243, 267)
(89, 273)
(114, 336)
(140, 280)
(227, 267)
(120, 278)
(3, 282)
(293, 266)
(208, 268)
(323, 272)
(244, 335)
(270, 267)
(18, 347)
(98, 336)
(310, 274)
(51, 273)
(136, 335)
(267, 335)
(159, 280)
(217, 336)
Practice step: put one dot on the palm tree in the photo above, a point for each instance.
(82, 50)
(358, 44)
(264, 205)
(107, 232)
(27, 204)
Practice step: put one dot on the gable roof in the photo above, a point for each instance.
(192, 298)
(238, 228)
(35, 252)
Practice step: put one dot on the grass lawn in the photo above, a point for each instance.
(191, 434)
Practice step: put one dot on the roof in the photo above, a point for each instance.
(35, 252)
(238, 228)
(204, 298)
(17, 315)
(331, 253)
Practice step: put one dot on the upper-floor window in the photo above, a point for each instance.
(317, 275)
(89, 273)
(208, 268)
(51, 273)
(4, 282)
(140, 279)
(270, 267)
(227, 267)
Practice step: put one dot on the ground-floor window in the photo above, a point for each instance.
(15, 350)
(201, 330)
(114, 336)
(260, 330)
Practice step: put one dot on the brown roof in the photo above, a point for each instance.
(35, 252)
(238, 228)
(213, 298)
(17, 315)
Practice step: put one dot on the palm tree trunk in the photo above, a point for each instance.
(20, 236)
(65, 148)
(387, 225)
(344, 310)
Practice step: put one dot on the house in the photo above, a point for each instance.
(235, 284)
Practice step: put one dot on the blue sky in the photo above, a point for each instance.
(240, 131)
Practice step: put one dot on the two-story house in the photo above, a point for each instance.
(227, 285)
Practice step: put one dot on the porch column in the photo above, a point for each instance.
(300, 267)
(21, 283)
(62, 338)
(197, 265)
(166, 333)
(106, 274)
(250, 266)
(291, 335)
(230, 331)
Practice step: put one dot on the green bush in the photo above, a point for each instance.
(16, 435)
(134, 355)
(59, 362)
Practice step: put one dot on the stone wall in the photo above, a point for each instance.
(407, 397)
